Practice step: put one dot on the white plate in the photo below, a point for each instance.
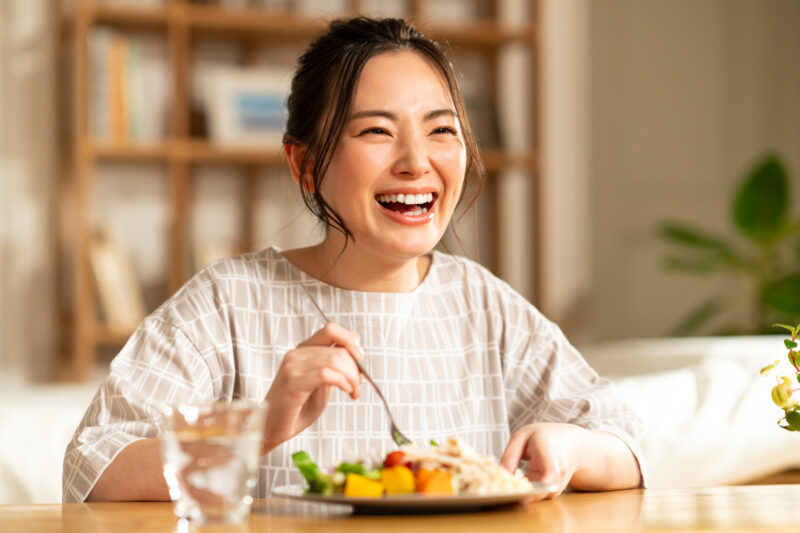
(414, 502)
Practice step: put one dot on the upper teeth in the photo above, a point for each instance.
(408, 199)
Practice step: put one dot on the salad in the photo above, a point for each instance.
(451, 469)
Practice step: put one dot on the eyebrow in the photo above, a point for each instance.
(430, 115)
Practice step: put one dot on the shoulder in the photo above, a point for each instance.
(262, 266)
(489, 296)
(474, 278)
(265, 266)
(228, 282)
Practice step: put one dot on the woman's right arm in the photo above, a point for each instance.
(298, 395)
(135, 474)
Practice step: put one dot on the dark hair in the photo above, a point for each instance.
(322, 93)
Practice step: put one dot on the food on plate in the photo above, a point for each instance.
(451, 469)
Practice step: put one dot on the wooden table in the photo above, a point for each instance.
(740, 508)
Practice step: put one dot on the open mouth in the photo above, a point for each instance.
(407, 204)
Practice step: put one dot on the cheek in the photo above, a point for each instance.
(452, 157)
(340, 180)
(453, 165)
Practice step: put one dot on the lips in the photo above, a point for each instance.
(411, 204)
(409, 214)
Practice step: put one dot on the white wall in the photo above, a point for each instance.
(565, 148)
(684, 96)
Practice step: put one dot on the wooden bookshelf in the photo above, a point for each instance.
(181, 24)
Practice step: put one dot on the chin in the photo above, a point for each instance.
(408, 250)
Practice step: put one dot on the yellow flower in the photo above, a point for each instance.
(782, 394)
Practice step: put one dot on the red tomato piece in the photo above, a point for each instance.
(394, 459)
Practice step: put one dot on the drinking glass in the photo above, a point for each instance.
(211, 455)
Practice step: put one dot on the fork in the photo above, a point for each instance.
(397, 435)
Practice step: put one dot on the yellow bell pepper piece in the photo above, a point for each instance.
(398, 480)
(358, 486)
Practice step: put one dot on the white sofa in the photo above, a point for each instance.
(708, 415)
(36, 423)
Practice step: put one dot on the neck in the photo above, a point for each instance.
(359, 269)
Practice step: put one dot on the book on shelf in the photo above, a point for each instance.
(481, 105)
(120, 295)
(128, 93)
(247, 105)
(483, 119)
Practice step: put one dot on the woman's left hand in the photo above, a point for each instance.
(566, 454)
(552, 451)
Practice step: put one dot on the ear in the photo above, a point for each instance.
(294, 155)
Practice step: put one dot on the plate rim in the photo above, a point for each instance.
(296, 491)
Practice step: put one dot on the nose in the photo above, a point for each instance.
(413, 161)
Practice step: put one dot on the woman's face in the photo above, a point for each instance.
(399, 167)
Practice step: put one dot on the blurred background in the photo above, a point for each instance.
(125, 167)
(642, 156)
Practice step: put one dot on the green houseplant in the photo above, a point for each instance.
(763, 259)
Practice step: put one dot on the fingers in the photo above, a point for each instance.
(312, 367)
(514, 450)
(341, 346)
(544, 466)
(542, 446)
(333, 333)
(307, 375)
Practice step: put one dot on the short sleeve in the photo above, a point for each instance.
(547, 380)
(159, 365)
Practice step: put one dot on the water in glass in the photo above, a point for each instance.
(211, 456)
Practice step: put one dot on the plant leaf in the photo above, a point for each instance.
(760, 207)
(783, 295)
(793, 420)
(699, 316)
(785, 326)
(683, 234)
(789, 344)
(699, 265)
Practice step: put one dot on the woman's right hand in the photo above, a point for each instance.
(305, 379)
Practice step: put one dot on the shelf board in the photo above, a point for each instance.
(482, 33)
(297, 26)
(130, 151)
(129, 15)
(200, 151)
(276, 24)
(496, 160)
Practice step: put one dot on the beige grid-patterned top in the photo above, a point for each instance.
(461, 355)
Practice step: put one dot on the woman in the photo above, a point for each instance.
(379, 143)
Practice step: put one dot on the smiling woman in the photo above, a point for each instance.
(379, 143)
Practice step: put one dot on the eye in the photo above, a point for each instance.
(378, 131)
(445, 129)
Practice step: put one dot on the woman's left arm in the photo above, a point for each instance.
(565, 454)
